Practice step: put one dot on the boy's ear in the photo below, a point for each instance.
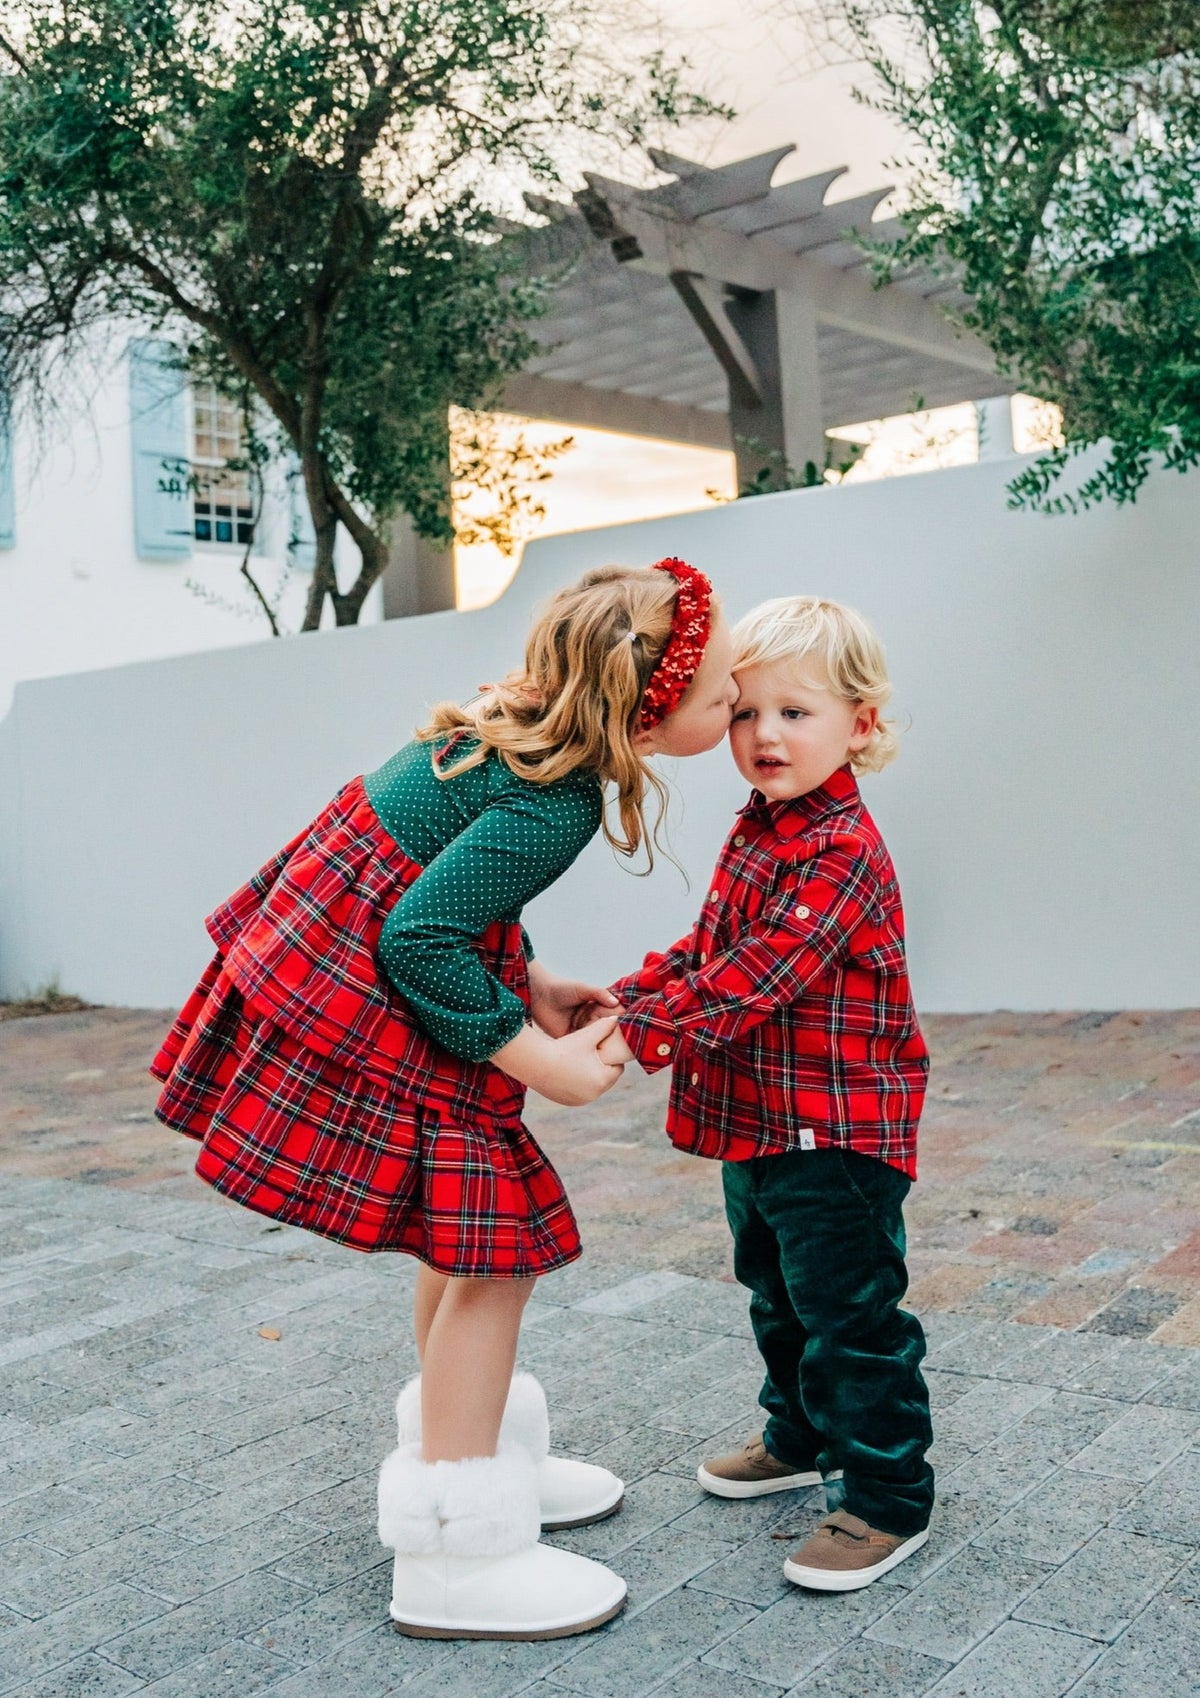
(865, 721)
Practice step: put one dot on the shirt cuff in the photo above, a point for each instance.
(475, 1037)
(651, 1034)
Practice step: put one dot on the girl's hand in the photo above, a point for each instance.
(589, 1012)
(567, 1070)
(558, 1005)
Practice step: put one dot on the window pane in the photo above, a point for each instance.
(222, 512)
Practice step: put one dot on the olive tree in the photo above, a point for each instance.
(1054, 175)
(311, 197)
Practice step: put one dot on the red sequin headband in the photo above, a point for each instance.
(690, 628)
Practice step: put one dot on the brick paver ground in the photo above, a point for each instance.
(186, 1504)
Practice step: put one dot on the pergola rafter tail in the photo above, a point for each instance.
(769, 284)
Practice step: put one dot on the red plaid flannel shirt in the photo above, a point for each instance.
(786, 1014)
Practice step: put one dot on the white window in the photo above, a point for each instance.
(222, 505)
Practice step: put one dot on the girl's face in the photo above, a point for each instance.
(791, 731)
(702, 717)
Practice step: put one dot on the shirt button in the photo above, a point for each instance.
(664, 1049)
(739, 841)
(802, 912)
(714, 896)
(703, 956)
(695, 1078)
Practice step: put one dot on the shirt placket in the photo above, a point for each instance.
(734, 882)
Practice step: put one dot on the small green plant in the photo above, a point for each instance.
(777, 473)
(48, 1000)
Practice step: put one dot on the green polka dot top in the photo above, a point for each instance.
(488, 842)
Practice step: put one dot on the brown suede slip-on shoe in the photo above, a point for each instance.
(752, 1472)
(845, 1554)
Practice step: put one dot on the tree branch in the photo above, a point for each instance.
(6, 46)
(272, 392)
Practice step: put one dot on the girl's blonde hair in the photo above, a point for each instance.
(574, 705)
(793, 627)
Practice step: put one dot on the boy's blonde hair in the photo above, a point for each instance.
(793, 627)
(575, 704)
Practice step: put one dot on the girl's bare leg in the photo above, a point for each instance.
(430, 1287)
(467, 1365)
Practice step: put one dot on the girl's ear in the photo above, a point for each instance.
(865, 721)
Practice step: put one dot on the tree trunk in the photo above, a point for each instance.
(324, 578)
(423, 571)
(373, 551)
(325, 526)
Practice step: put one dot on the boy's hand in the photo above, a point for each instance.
(558, 1005)
(588, 1013)
(614, 1049)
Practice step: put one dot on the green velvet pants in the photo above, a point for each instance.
(818, 1239)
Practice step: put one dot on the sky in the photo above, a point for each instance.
(761, 66)
(764, 67)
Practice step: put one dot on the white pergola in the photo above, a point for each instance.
(717, 309)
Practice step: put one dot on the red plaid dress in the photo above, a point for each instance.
(318, 1099)
(786, 1014)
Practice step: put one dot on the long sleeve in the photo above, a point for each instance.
(810, 923)
(517, 846)
(655, 972)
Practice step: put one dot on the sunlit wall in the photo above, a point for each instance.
(605, 478)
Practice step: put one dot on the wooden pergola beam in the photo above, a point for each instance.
(664, 245)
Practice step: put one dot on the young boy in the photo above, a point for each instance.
(798, 1063)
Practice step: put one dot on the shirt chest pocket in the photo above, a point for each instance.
(733, 906)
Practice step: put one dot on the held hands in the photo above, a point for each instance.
(568, 1070)
(581, 1072)
(560, 1006)
(587, 1013)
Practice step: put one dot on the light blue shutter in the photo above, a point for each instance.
(162, 497)
(302, 538)
(8, 500)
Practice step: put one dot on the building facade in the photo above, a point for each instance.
(122, 533)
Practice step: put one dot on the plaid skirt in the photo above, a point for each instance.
(400, 1146)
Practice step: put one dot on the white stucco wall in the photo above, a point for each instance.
(1043, 814)
(73, 593)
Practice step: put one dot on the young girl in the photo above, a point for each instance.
(355, 1058)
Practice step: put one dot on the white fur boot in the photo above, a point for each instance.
(571, 1494)
(468, 1562)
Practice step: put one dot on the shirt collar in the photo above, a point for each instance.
(839, 792)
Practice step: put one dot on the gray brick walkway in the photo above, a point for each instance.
(187, 1504)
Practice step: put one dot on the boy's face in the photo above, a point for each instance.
(790, 731)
